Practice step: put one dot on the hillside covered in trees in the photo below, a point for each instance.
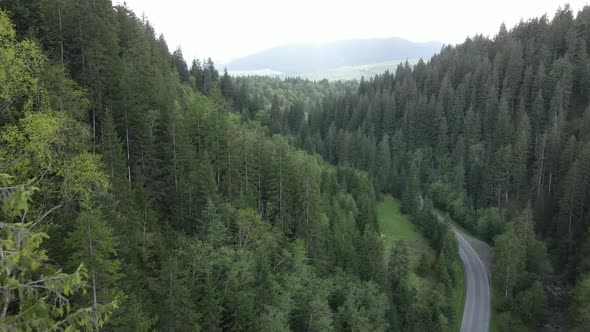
(257, 92)
(135, 196)
(140, 193)
(496, 133)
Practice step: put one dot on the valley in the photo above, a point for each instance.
(353, 191)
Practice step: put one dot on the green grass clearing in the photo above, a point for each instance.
(395, 226)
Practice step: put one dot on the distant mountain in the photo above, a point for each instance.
(295, 59)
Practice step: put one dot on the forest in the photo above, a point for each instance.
(142, 193)
(495, 132)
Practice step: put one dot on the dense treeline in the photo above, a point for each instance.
(290, 92)
(134, 199)
(283, 105)
(495, 132)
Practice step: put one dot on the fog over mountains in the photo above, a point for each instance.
(304, 58)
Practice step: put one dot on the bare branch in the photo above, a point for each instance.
(8, 188)
(13, 161)
(41, 178)
(41, 217)
(5, 106)
(23, 217)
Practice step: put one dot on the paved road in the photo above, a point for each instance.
(477, 260)
(476, 314)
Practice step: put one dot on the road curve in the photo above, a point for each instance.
(476, 313)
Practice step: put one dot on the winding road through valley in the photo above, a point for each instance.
(477, 258)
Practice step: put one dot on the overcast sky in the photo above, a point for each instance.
(228, 29)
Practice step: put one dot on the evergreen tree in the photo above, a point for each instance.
(93, 245)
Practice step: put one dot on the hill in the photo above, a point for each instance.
(348, 73)
(294, 59)
(135, 195)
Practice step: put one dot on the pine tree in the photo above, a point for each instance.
(113, 154)
(383, 164)
(509, 259)
(180, 65)
(276, 116)
(410, 204)
(520, 150)
(94, 245)
(226, 85)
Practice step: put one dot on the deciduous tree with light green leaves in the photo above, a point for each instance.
(34, 295)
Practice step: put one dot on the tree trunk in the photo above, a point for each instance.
(112, 167)
(259, 179)
(539, 181)
(307, 201)
(174, 156)
(95, 302)
(80, 32)
(281, 191)
(507, 280)
(229, 176)
(6, 300)
(550, 183)
(569, 224)
(246, 186)
(143, 234)
(94, 297)
(127, 140)
(61, 37)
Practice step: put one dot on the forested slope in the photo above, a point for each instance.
(257, 92)
(496, 132)
(139, 193)
(135, 197)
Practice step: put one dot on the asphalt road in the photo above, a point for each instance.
(476, 314)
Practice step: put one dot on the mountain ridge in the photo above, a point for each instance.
(299, 58)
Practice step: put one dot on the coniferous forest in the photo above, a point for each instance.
(142, 193)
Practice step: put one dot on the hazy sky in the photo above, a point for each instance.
(227, 29)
